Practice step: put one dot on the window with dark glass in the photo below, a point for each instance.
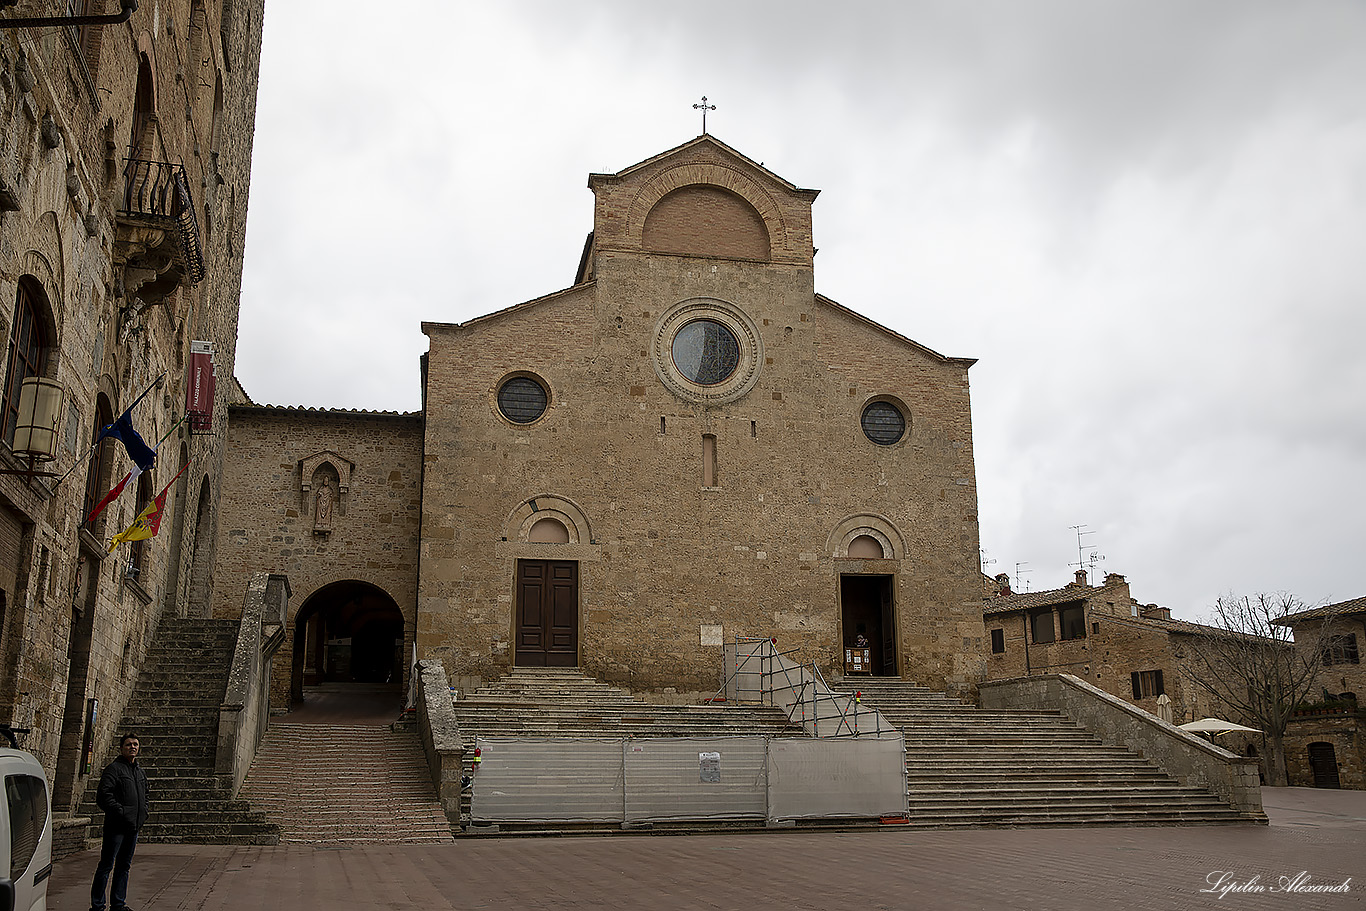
(1072, 621)
(998, 641)
(1341, 650)
(883, 423)
(522, 400)
(26, 796)
(706, 352)
(1146, 684)
(27, 353)
(1041, 625)
(98, 481)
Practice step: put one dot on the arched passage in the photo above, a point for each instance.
(347, 632)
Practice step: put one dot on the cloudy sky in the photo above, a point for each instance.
(1146, 218)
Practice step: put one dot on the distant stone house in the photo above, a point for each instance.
(1326, 742)
(1103, 635)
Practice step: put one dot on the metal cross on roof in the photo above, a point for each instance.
(705, 108)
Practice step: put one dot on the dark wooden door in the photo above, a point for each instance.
(1323, 761)
(547, 613)
(888, 629)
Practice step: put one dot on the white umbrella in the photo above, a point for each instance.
(1215, 726)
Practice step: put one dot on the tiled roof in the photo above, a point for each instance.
(322, 412)
(1025, 600)
(1354, 606)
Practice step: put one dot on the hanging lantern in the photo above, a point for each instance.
(40, 408)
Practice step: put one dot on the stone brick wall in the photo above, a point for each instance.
(1346, 735)
(267, 521)
(74, 625)
(669, 568)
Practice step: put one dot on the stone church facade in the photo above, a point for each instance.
(687, 445)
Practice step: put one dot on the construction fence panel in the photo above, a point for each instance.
(745, 670)
(678, 778)
(835, 777)
(527, 780)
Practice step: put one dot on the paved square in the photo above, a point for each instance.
(1320, 833)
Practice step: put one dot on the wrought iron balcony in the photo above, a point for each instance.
(158, 233)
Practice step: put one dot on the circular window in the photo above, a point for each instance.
(883, 423)
(706, 352)
(522, 400)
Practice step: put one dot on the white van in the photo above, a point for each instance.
(25, 833)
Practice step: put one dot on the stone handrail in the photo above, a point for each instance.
(245, 712)
(440, 736)
(1195, 762)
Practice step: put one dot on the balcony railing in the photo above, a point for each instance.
(160, 191)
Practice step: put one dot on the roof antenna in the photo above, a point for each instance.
(704, 107)
(1020, 571)
(1086, 561)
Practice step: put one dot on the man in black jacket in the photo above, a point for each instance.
(123, 798)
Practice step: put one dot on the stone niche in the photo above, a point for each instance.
(324, 488)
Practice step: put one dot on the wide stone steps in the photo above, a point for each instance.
(174, 712)
(972, 768)
(340, 784)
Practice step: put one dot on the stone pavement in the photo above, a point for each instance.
(1320, 833)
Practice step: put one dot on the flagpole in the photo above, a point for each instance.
(75, 464)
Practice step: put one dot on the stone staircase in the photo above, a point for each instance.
(174, 712)
(346, 784)
(564, 703)
(967, 767)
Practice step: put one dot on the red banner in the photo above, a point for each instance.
(199, 388)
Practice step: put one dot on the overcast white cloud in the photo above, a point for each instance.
(1146, 218)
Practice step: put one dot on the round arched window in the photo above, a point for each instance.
(883, 423)
(522, 400)
(706, 352)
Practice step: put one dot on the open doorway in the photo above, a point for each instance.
(348, 633)
(867, 610)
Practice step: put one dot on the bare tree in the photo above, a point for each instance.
(1256, 666)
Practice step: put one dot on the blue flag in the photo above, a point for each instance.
(122, 429)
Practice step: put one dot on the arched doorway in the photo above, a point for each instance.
(347, 632)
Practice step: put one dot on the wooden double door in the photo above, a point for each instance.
(547, 613)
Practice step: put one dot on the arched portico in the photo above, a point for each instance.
(347, 632)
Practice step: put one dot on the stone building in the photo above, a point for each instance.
(1325, 745)
(686, 445)
(332, 500)
(1103, 635)
(125, 157)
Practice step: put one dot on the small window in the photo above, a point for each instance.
(1041, 623)
(522, 400)
(1072, 620)
(1341, 650)
(1095, 628)
(998, 641)
(883, 423)
(26, 796)
(709, 460)
(1146, 684)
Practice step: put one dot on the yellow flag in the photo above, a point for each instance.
(143, 526)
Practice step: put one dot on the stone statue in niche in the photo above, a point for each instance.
(322, 507)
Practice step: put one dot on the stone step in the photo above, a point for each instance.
(346, 784)
(967, 767)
